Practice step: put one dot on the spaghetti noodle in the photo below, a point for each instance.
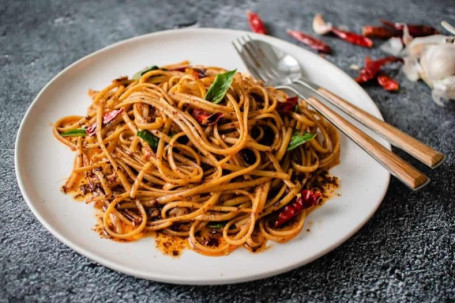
(158, 156)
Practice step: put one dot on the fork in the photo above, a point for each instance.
(283, 75)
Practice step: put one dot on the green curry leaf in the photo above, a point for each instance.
(220, 86)
(74, 132)
(298, 139)
(216, 225)
(148, 137)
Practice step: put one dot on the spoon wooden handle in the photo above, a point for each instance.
(401, 169)
(412, 146)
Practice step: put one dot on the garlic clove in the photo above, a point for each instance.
(438, 61)
(321, 27)
(412, 69)
(393, 46)
(444, 90)
(417, 45)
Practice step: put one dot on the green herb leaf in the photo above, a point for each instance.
(220, 86)
(148, 137)
(139, 74)
(74, 132)
(298, 139)
(216, 225)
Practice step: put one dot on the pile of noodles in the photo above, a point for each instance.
(221, 184)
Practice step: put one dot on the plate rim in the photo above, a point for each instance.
(171, 278)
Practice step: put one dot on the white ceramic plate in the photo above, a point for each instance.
(42, 164)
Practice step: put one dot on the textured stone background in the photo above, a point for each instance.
(404, 253)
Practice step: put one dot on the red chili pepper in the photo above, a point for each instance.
(378, 32)
(256, 23)
(387, 83)
(287, 107)
(205, 117)
(368, 72)
(108, 117)
(352, 37)
(306, 199)
(310, 41)
(415, 30)
(372, 68)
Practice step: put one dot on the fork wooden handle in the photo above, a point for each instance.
(412, 146)
(394, 164)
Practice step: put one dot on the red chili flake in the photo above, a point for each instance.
(201, 73)
(287, 107)
(372, 68)
(378, 32)
(352, 37)
(256, 23)
(387, 83)
(306, 199)
(195, 74)
(312, 42)
(108, 117)
(205, 117)
(415, 30)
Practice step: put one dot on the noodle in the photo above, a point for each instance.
(152, 167)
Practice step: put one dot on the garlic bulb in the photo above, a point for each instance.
(432, 59)
(438, 62)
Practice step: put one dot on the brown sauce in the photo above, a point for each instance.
(170, 245)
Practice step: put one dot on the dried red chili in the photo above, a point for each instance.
(415, 30)
(368, 72)
(287, 107)
(321, 27)
(256, 23)
(205, 117)
(372, 68)
(108, 117)
(306, 199)
(312, 42)
(387, 83)
(352, 37)
(378, 32)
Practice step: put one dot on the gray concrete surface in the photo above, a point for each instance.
(404, 253)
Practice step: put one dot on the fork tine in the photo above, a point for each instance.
(261, 64)
(246, 59)
(271, 57)
(266, 63)
(254, 46)
(254, 63)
